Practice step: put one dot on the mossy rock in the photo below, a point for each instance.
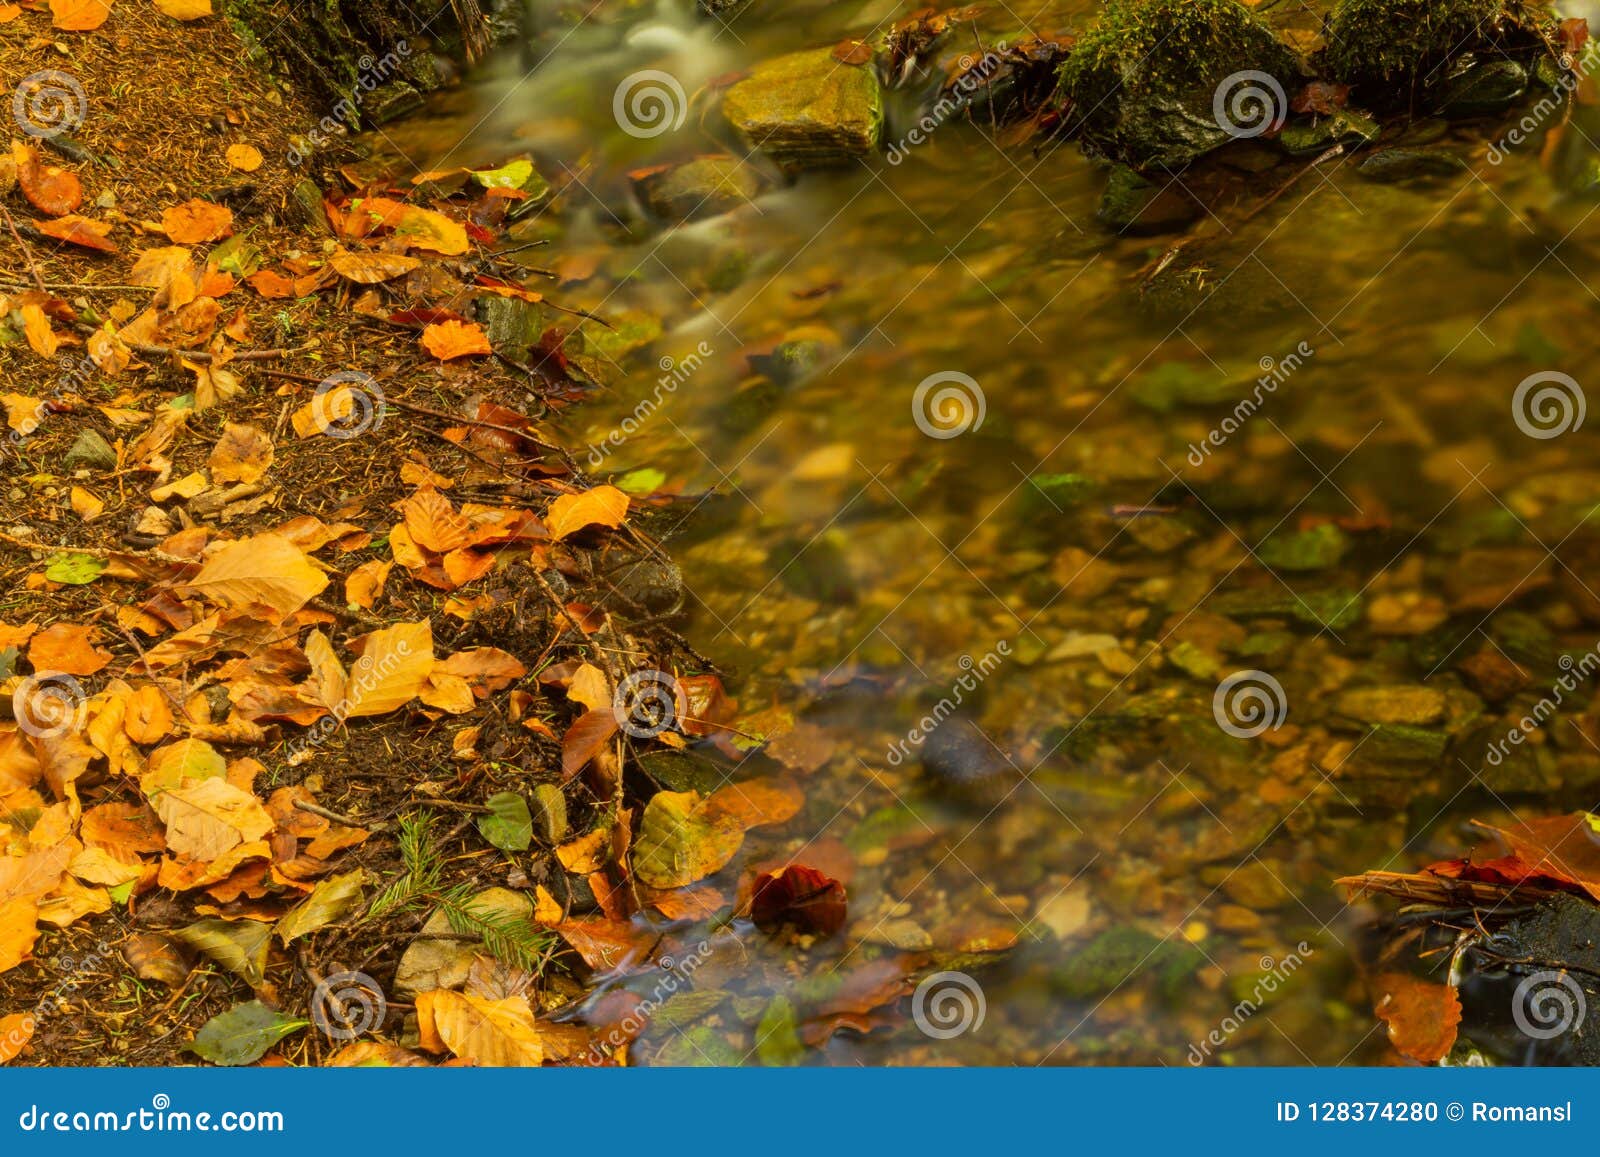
(1398, 46)
(806, 110)
(1147, 79)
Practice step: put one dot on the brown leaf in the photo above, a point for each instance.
(195, 222)
(36, 327)
(69, 648)
(80, 231)
(1422, 1015)
(48, 188)
(498, 1033)
(584, 739)
(372, 268)
(242, 454)
(393, 669)
(800, 895)
(209, 818)
(266, 569)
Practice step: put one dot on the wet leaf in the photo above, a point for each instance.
(585, 738)
(796, 894)
(499, 1033)
(509, 826)
(241, 948)
(243, 1034)
(778, 1045)
(1422, 1015)
(679, 842)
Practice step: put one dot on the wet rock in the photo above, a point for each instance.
(1348, 127)
(1404, 744)
(961, 760)
(703, 187)
(1419, 706)
(1132, 204)
(653, 584)
(1395, 47)
(807, 110)
(1492, 675)
(1392, 166)
(305, 208)
(683, 771)
(801, 353)
(1145, 80)
(1122, 955)
(513, 327)
(1475, 89)
(1315, 549)
(1333, 609)
(90, 452)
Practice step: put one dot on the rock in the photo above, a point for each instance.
(1492, 675)
(807, 110)
(1395, 47)
(1394, 165)
(549, 812)
(962, 761)
(1119, 956)
(513, 327)
(1146, 81)
(90, 452)
(653, 584)
(1132, 204)
(683, 771)
(1347, 126)
(703, 187)
(1404, 744)
(1475, 89)
(1419, 706)
(305, 208)
(1315, 549)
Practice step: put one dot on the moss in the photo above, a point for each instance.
(1407, 41)
(1143, 78)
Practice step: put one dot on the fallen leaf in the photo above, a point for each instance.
(243, 1034)
(242, 454)
(1422, 1015)
(266, 569)
(79, 15)
(454, 339)
(36, 328)
(498, 1033)
(49, 188)
(799, 895)
(680, 842)
(195, 222)
(372, 268)
(206, 819)
(68, 648)
(603, 506)
(330, 901)
(245, 158)
(394, 666)
(80, 231)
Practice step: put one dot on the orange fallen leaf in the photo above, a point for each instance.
(36, 327)
(16, 1030)
(245, 158)
(49, 188)
(79, 15)
(69, 648)
(270, 285)
(393, 668)
(196, 221)
(603, 506)
(184, 9)
(455, 339)
(80, 231)
(1422, 1015)
(372, 268)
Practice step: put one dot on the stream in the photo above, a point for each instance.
(1083, 653)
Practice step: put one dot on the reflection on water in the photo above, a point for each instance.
(1123, 611)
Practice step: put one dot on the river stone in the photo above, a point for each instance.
(1418, 705)
(703, 187)
(429, 964)
(1394, 165)
(549, 812)
(90, 452)
(807, 110)
(1488, 87)
(1132, 204)
(513, 327)
(1145, 81)
(1344, 127)
(1397, 46)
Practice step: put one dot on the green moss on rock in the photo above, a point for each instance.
(1406, 42)
(1143, 80)
(806, 110)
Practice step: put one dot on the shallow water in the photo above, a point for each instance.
(1377, 516)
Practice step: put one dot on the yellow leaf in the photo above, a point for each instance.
(206, 819)
(393, 668)
(245, 158)
(36, 326)
(184, 9)
(15, 1032)
(603, 506)
(79, 15)
(85, 505)
(498, 1033)
(448, 340)
(266, 569)
(242, 454)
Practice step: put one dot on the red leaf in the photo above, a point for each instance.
(801, 896)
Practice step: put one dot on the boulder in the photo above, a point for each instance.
(807, 110)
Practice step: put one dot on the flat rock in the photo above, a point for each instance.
(807, 110)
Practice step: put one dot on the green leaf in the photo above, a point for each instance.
(76, 569)
(645, 480)
(509, 824)
(329, 901)
(243, 1034)
(237, 256)
(700, 1047)
(240, 948)
(509, 176)
(777, 1042)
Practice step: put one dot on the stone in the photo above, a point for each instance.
(91, 452)
(1146, 81)
(1396, 47)
(1480, 88)
(806, 110)
(1135, 205)
(703, 187)
(1418, 706)
(1347, 126)
(1391, 166)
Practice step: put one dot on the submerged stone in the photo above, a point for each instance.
(1161, 82)
(1475, 88)
(1344, 127)
(1132, 204)
(1119, 955)
(807, 110)
(703, 187)
(1394, 165)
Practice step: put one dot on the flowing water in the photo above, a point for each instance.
(1009, 608)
